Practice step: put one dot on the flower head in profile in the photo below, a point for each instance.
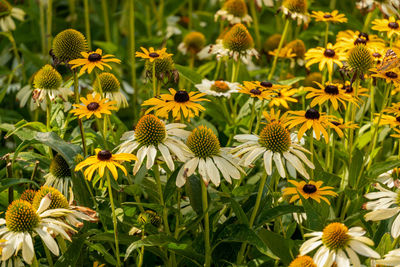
(59, 175)
(295, 9)
(217, 88)
(339, 244)
(391, 178)
(392, 258)
(350, 91)
(234, 11)
(193, 43)
(68, 45)
(107, 84)
(392, 121)
(310, 189)
(92, 60)
(152, 54)
(387, 7)
(93, 106)
(275, 144)
(331, 92)
(7, 13)
(333, 16)
(181, 104)
(208, 159)
(325, 57)
(285, 52)
(153, 139)
(391, 26)
(103, 160)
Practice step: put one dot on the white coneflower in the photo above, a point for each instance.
(390, 178)
(234, 11)
(338, 244)
(217, 88)
(385, 205)
(152, 137)
(7, 13)
(390, 259)
(208, 159)
(296, 9)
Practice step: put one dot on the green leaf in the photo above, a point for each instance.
(8, 182)
(193, 190)
(71, 256)
(170, 187)
(314, 217)
(356, 164)
(189, 74)
(284, 248)
(267, 215)
(291, 81)
(158, 240)
(240, 214)
(381, 167)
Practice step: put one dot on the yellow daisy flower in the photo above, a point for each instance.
(344, 125)
(392, 121)
(311, 189)
(397, 134)
(349, 90)
(330, 92)
(347, 40)
(333, 16)
(389, 76)
(261, 90)
(325, 56)
(285, 52)
(179, 102)
(102, 160)
(93, 106)
(152, 54)
(390, 26)
(282, 97)
(92, 60)
(394, 109)
(312, 119)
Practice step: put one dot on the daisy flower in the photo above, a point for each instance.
(347, 40)
(275, 145)
(59, 175)
(311, 118)
(234, 11)
(295, 9)
(262, 91)
(303, 261)
(107, 84)
(92, 60)
(349, 90)
(390, 26)
(208, 158)
(390, 259)
(326, 57)
(285, 52)
(180, 103)
(8, 12)
(193, 43)
(102, 160)
(390, 178)
(333, 16)
(217, 88)
(394, 109)
(338, 122)
(310, 189)
(392, 121)
(152, 138)
(391, 76)
(384, 205)
(152, 54)
(93, 106)
(338, 244)
(23, 220)
(282, 97)
(331, 92)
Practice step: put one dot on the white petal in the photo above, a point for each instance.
(49, 241)
(268, 161)
(395, 231)
(212, 171)
(151, 156)
(44, 204)
(353, 257)
(27, 248)
(253, 155)
(279, 165)
(166, 156)
(341, 259)
(362, 249)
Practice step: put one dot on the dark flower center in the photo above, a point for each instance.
(391, 74)
(94, 57)
(329, 53)
(104, 155)
(393, 25)
(181, 96)
(364, 35)
(93, 106)
(266, 84)
(154, 55)
(312, 114)
(255, 91)
(376, 54)
(328, 16)
(332, 89)
(348, 88)
(336, 123)
(398, 119)
(309, 188)
(360, 40)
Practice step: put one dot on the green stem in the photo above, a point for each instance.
(48, 255)
(48, 112)
(352, 118)
(61, 243)
(35, 261)
(259, 117)
(367, 22)
(253, 107)
(87, 24)
(141, 253)
(255, 21)
(218, 69)
(49, 22)
(326, 33)
(312, 152)
(160, 193)
(114, 219)
(132, 43)
(207, 247)
(332, 5)
(154, 80)
(42, 28)
(104, 7)
(285, 31)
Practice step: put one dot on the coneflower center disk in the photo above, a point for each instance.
(150, 130)
(220, 86)
(332, 89)
(335, 236)
(203, 142)
(393, 25)
(93, 106)
(312, 114)
(181, 96)
(391, 74)
(275, 137)
(266, 84)
(255, 91)
(329, 53)
(154, 55)
(21, 216)
(94, 57)
(104, 155)
(309, 188)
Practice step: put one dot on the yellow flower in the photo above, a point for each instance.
(394, 109)
(350, 90)
(285, 52)
(180, 102)
(389, 76)
(311, 189)
(397, 134)
(152, 54)
(312, 119)
(347, 40)
(330, 92)
(390, 26)
(325, 56)
(392, 121)
(275, 116)
(102, 160)
(261, 90)
(282, 97)
(333, 16)
(344, 125)
(92, 60)
(93, 106)
(303, 261)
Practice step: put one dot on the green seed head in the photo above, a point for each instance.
(5, 8)
(47, 78)
(298, 47)
(59, 167)
(108, 82)
(360, 59)
(194, 42)
(203, 142)
(272, 42)
(28, 195)
(238, 39)
(68, 45)
(237, 8)
(296, 6)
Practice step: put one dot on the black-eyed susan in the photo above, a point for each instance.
(59, 175)
(152, 54)
(325, 57)
(311, 118)
(275, 144)
(391, 26)
(7, 13)
(217, 88)
(310, 189)
(350, 90)
(392, 121)
(282, 97)
(331, 92)
(92, 60)
(68, 45)
(273, 115)
(393, 109)
(93, 106)
(102, 160)
(181, 103)
(285, 52)
(391, 76)
(256, 90)
(347, 40)
(303, 261)
(153, 139)
(193, 43)
(208, 159)
(339, 122)
(107, 84)
(296, 9)
(333, 16)
(234, 11)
